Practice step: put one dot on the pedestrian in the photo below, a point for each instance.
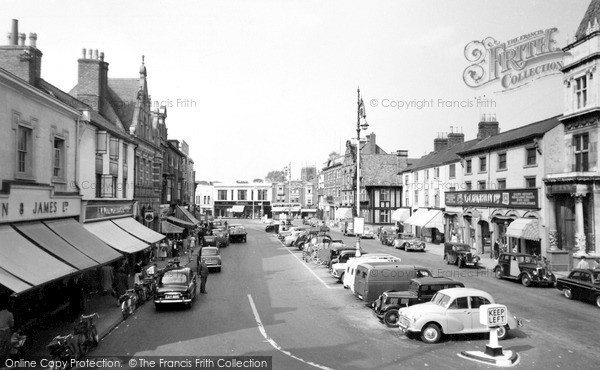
(203, 269)
(583, 264)
(496, 248)
(7, 323)
(121, 282)
(164, 248)
(107, 278)
(76, 297)
(596, 265)
(192, 242)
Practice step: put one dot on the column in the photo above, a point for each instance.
(579, 232)
(551, 223)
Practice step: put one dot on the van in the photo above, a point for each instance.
(352, 264)
(372, 279)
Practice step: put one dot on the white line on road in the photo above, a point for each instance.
(308, 268)
(273, 343)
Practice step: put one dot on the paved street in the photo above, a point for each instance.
(312, 320)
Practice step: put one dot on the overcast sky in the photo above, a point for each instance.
(254, 85)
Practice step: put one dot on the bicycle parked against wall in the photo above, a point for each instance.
(62, 350)
(128, 302)
(87, 335)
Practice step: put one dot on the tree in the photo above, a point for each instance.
(275, 176)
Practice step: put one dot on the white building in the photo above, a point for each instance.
(242, 199)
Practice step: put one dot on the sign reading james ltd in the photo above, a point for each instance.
(513, 63)
(513, 198)
(31, 203)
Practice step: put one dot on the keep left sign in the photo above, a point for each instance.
(492, 315)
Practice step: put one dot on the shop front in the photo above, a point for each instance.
(45, 251)
(282, 211)
(429, 225)
(482, 217)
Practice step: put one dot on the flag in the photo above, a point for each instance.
(361, 109)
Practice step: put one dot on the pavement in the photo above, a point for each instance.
(105, 306)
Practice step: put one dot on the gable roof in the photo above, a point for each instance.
(440, 158)
(123, 94)
(514, 136)
(592, 13)
(379, 170)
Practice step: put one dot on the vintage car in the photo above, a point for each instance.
(460, 254)
(272, 227)
(338, 264)
(222, 235)
(420, 290)
(451, 311)
(212, 257)
(176, 286)
(291, 239)
(387, 234)
(368, 233)
(237, 233)
(583, 284)
(408, 242)
(526, 268)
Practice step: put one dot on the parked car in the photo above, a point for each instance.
(291, 239)
(338, 264)
(222, 235)
(212, 258)
(272, 227)
(451, 311)
(408, 242)
(581, 284)
(387, 234)
(368, 233)
(460, 254)
(526, 268)
(348, 276)
(420, 290)
(176, 286)
(372, 279)
(237, 233)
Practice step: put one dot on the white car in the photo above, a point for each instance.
(352, 264)
(289, 240)
(451, 311)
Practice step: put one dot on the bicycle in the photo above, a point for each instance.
(86, 332)
(128, 302)
(140, 292)
(62, 351)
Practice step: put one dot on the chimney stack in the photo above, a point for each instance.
(488, 126)
(92, 82)
(455, 138)
(23, 61)
(440, 143)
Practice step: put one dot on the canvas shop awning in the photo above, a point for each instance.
(525, 228)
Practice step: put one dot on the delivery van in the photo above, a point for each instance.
(372, 279)
(350, 273)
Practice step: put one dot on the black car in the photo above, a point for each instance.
(176, 286)
(583, 284)
(387, 234)
(460, 254)
(209, 241)
(526, 268)
(420, 290)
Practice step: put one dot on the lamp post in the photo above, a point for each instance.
(360, 113)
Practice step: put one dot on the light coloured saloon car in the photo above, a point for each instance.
(450, 311)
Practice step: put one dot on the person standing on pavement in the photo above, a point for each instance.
(496, 249)
(583, 264)
(203, 271)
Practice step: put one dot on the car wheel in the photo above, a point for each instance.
(569, 295)
(525, 280)
(341, 278)
(598, 301)
(502, 332)
(431, 333)
(498, 273)
(390, 318)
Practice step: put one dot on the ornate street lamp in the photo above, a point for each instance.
(361, 123)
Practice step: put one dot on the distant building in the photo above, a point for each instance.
(243, 200)
(308, 173)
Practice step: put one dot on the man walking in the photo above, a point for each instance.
(203, 271)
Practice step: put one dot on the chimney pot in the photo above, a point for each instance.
(96, 54)
(102, 56)
(83, 53)
(89, 53)
(15, 32)
(22, 38)
(33, 40)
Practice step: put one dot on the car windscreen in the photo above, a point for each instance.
(209, 252)
(174, 277)
(441, 299)
(406, 236)
(463, 248)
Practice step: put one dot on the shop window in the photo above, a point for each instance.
(581, 151)
(502, 161)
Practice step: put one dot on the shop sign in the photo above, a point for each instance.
(33, 204)
(286, 207)
(108, 211)
(149, 216)
(514, 198)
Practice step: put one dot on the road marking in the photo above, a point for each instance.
(273, 343)
(305, 265)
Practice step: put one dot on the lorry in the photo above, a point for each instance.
(237, 233)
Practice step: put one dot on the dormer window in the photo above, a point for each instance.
(581, 91)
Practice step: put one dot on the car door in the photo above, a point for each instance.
(586, 279)
(458, 315)
(476, 303)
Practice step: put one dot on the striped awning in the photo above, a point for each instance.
(401, 214)
(524, 228)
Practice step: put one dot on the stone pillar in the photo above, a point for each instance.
(579, 230)
(551, 223)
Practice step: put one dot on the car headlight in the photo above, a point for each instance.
(534, 272)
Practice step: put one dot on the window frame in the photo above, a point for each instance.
(500, 161)
(527, 151)
(581, 92)
(468, 166)
(581, 155)
(62, 159)
(529, 178)
(483, 164)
